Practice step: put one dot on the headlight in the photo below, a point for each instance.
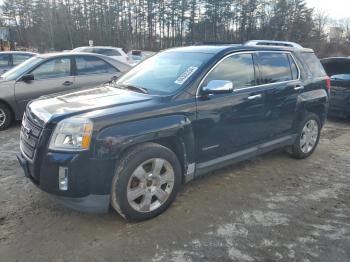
(72, 134)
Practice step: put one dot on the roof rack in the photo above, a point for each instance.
(272, 43)
(214, 43)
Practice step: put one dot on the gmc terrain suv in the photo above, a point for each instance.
(179, 114)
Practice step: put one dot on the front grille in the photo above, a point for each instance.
(29, 138)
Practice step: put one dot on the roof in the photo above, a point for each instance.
(59, 54)
(98, 46)
(18, 52)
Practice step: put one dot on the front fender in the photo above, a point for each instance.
(112, 141)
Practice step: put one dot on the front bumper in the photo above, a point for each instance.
(89, 180)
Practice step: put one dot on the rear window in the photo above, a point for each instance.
(313, 65)
(19, 58)
(336, 66)
(4, 60)
(274, 67)
(107, 52)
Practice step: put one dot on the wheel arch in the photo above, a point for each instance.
(10, 108)
(315, 101)
(172, 132)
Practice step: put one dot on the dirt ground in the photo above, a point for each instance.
(271, 208)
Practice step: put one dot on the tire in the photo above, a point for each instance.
(5, 116)
(146, 182)
(306, 143)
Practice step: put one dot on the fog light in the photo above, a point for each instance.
(63, 178)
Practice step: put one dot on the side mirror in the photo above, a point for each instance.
(218, 87)
(27, 78)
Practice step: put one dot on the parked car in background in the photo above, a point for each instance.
(50, 73)
(338, 69)
(177, 115)
(113, 52)
(136, 56)
(10, 59)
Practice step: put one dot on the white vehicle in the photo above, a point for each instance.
(113, 52)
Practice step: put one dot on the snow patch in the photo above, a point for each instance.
(265, 218)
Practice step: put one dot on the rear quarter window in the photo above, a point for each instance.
(313, 65)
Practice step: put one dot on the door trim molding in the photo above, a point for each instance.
(208, 166)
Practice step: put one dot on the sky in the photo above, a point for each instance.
(336, 9)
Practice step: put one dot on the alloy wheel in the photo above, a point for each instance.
(309, 136)
(2, 117)
(150, 185)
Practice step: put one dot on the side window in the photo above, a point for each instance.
(294, 68)
(313, 64)
(87, 65)
(17, 59)
(4, 60)
(57, 67)
(239, 69)
(274, 67)
(107, 52)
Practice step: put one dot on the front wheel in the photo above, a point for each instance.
(308, 137)
(146, 182)
(5, 116)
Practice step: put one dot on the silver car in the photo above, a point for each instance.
(51, 73)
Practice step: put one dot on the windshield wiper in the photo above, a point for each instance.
(132, 88)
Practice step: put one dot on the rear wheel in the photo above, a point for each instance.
(5, 116)
(146, 182)
(308, 137)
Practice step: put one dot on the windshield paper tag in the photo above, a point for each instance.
(185, 75)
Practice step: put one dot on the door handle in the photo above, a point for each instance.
(298, 87)
(254, 97)
(67, 83)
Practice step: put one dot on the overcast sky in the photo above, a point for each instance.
(334, 8)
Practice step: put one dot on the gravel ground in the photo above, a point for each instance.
(271, 208)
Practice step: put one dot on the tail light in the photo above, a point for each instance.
(328, 84)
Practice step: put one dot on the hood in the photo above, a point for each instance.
(73, 103)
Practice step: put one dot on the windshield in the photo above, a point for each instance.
(17, 71)
(165, 72)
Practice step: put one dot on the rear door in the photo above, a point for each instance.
(92, 71)
(279, 75)
(52, 76)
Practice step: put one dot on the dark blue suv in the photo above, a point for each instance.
(177, 115)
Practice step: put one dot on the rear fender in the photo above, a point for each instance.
(315, 101)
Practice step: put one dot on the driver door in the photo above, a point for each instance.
(51, 76)
(231, 122)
